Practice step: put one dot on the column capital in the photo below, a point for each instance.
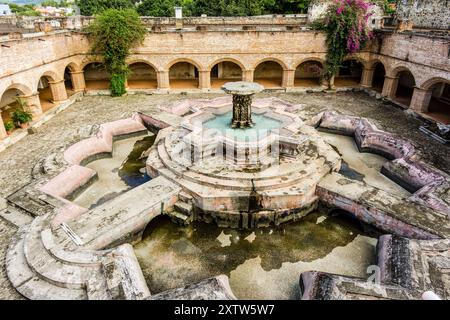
(76, 72)
(34, 94)
(391, 78)
(56, 81)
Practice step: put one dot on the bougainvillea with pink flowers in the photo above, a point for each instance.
(346, 26)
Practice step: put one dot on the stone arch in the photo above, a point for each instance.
(24, 89)
(73, 67)
(69, 70)
(350, 72)
(141, 60)
(436, 102)
(46, 87)
(95, 75)
(225, 70)
(268, 59)
(269, 73)
(187, 60)
(363, 62)
(9, 103)
(405, 84)
(373, 62)
(435, 80)
(303, 60)
(379, 74)
(233, 60)
(87, 62)
(49, 74)
(394, 70)
(309, 73)
(183, 74)
(143, 75)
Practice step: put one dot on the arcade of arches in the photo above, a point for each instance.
(432, 99)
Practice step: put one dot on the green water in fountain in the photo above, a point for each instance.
(262, 125)
(261, 264)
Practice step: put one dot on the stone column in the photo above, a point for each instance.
(288, 78)
(204, 78)
(421, 99)
(390, 86)
(247, 75)
(33, 105)
(242, 111)
(3, 133)
(327, 84)
(58, 89)
(78, 82)
(163, 80)
(367, 77)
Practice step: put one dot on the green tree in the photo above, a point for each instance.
(25, 10)
(92, 7)
(290, 6)
(113, 33)
(231, 7)
(161, 8)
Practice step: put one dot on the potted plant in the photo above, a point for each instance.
(21, 118)
(9, 126)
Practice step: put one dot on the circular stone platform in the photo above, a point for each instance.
(240, 179)
(242, 88)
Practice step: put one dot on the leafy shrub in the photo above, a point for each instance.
(345, 24)
(9, 125)
(19, 117)
(114, 32)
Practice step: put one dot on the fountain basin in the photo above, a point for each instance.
(244, 177)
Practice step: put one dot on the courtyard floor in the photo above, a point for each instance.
(73, 124)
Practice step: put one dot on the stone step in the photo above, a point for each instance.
(46, 266)
(185, 197)
(180, 218)
(185, 208)
(27, 282)
(285, 179)
(16, 216)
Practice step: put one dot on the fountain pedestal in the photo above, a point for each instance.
(242, 102)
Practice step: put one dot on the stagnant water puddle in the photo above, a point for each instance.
(118, 174)
(262, 263)
(364, 167)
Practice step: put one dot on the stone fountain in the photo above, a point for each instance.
(242, 101)
(246, 163)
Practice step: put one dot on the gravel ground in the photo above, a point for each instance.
(67, 127)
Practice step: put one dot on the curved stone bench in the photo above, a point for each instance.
(405, 167)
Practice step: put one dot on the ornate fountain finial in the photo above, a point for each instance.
(242, 101)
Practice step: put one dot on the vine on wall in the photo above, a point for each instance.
(345, 24)
(113, 33)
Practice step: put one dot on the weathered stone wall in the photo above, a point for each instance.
(24, 61)
(434, 14)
